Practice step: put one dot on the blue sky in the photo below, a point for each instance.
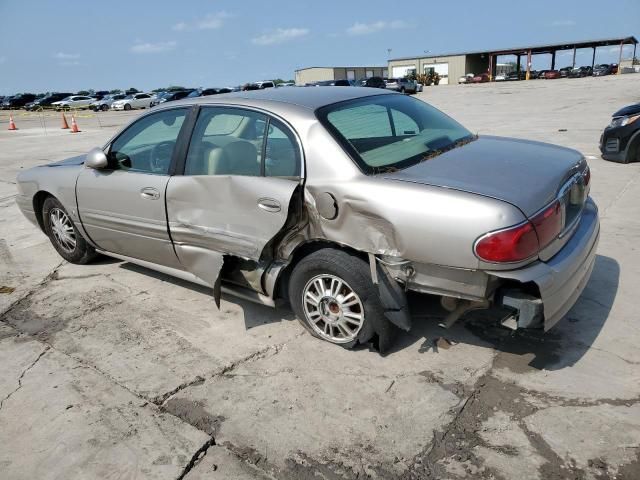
(74, 45)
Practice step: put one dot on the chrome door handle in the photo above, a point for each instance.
(269, 205)
(150, 193)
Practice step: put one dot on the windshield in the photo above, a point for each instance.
(391, 132)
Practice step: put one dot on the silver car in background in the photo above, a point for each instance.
(336, 200)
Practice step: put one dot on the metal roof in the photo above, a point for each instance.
(356, 66)
(545, 48)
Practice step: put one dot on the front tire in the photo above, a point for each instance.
(64, 235)
(332, 295)
(104, 107)
(127, 107)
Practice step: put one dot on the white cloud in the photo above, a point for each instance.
(562, 23)
(158, 47)
(210, 21)
(69, 63)
(280, 35)
(66, 56)
(360, 28)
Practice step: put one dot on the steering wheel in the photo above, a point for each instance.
(160, 157)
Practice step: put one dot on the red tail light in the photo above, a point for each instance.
(510, 245)
(548, 224)
(586, 175)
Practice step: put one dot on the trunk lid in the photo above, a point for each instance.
(524, 173)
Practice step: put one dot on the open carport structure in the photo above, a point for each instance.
(553, 49)
(454, 65)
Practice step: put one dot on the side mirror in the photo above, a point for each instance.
(96, 158)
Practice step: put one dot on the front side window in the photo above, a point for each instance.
(391, 132)
(147, 145)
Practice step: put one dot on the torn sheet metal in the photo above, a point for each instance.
(217, 215)
(393, 299)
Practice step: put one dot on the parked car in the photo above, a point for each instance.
(80, 102)
(208, 91)
(46, 101)
(602, 70)
(104, 104)
(286, 84)
(580, 72)
(551, 74)
(171, 96)
(564, 71)
(18, 101)
(130, 102)
(501, 77)
(402, 85)
(374, 82)
(481, 78)
(265, 84)
(482, 221)
(620, 141)
(100, 94)
(249, 87)
(511, 76)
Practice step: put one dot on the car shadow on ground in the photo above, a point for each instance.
(254, 314)
(560, 347)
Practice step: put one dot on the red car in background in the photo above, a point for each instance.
(551, 74)
(481, 78)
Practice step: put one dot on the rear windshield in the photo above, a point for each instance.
(390, 132)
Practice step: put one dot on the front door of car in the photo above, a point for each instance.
(240, 173)
(122, 207)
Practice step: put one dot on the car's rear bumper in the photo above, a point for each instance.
(560, 280)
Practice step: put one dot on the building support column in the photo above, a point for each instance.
(528, 77)
(490, 67)
(593, 59)
(553, 60)
(518, 64)
(574, 58)
(620, 58)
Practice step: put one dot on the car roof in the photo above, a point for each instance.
(310, 98)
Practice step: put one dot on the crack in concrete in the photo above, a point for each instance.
(46, 349)
(35, 289)
(197, 457)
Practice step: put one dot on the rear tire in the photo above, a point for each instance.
(332, 295)
(104, 107)
(64, 235)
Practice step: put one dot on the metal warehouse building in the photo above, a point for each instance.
(318, 74)
(452, 66)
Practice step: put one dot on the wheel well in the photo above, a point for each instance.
(633, 148)
(38, 202)
(304, 250)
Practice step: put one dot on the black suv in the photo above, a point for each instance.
(46, 101)
(620, 141)
(375, 82)
(18, 101)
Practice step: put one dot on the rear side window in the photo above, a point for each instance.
(232, 141)
(226, 141)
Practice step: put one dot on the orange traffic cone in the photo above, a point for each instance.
(12, 124)
(74, 125)
(65, 125)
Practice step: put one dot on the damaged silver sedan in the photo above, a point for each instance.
(336, 200)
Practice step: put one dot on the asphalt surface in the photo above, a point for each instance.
(114, 371)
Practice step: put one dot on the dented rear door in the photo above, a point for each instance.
(240, 173)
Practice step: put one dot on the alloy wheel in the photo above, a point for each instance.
(62, 230)
(333, 309)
